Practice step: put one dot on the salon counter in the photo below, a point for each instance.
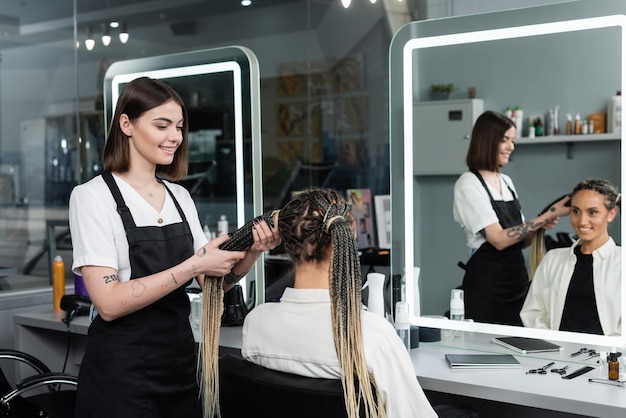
(43, 335)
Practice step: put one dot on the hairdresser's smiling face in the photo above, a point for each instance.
(590, 219)
(506, 147)
(155, 136)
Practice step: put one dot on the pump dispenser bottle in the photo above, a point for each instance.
(457, 305)
(402, 324)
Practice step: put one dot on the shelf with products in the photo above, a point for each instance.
(551, 139)
(568, 140)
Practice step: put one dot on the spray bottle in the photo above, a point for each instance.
(58, 282)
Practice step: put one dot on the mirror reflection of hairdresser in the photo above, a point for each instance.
(487, 208)
(579, 288)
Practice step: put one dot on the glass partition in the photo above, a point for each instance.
(230, 76)
(491, 58)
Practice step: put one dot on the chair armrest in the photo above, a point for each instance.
(23, 357)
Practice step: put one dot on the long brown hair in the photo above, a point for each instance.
(137, 97)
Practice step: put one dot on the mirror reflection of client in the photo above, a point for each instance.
(318, 328)
(570, 284)
(486, 207)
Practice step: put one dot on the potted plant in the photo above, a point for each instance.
(440, 91)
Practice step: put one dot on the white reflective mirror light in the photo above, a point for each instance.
(408, 97)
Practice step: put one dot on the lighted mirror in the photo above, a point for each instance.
(576, 64)
(220, 88)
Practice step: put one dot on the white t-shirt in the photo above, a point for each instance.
(295, 336)
(98, 236)
(472, 208)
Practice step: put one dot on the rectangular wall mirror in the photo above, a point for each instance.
(220, 88)
(537, 65)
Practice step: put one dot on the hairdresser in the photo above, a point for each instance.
(138, 243)
(488, 210)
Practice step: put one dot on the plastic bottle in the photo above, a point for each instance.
(207, 232)
(457, 305)
(509, 112)
(58, 282)
(531, 130)
(402, 324)
(222, 226)
(614, 113)
(376, 298)
(519, 120)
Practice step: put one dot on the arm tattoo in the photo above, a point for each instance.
(232, 278)
(111, 278)
(521, 231)
(193, 270)
(138, 288)
(174, 278)
(201, 252)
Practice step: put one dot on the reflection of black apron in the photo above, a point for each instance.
(496, 281)
(143, 364)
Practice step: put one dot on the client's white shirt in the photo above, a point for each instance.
(295, 336)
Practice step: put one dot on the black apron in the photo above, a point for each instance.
(496, 281)
(143, 365)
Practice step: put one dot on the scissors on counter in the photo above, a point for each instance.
(581, 351)
(562, 370)
(541, 370)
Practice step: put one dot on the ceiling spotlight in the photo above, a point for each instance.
(89, 42)
(246, 3)
(124, 33)
(114, 24)
(372, 1)
(106, 36)
(346, 3)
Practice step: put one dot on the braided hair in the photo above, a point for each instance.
(314, 226)
(612, 198)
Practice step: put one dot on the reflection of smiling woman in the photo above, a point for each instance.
(486, 207)
(579, 288)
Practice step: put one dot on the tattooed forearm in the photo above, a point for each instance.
(520, 232)
(111, 278)
(232, 278)
(174, 278)
(138, 288)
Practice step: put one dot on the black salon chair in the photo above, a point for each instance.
(249, 390)
(44, 394)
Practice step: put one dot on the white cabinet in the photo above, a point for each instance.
(441, 132)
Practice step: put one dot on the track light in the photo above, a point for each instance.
(124, 33)
(246, 3)
(106, 35)
(90, 43)
(346, 3)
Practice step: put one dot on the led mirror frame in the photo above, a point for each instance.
(407, 99)
(220, 67)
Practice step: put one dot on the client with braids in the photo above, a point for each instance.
(318, 328)
(570, 284)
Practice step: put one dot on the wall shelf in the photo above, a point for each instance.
(567, 138)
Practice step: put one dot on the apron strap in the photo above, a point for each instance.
(122, 209)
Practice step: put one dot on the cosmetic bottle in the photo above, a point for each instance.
(457, 305)
(402, 323)
(518, 116)
(578, 125)
(222, 226)
(613, 363)
(58, 282)
(568, 125)
(207, 232)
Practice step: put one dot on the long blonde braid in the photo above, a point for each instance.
(314, 224)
